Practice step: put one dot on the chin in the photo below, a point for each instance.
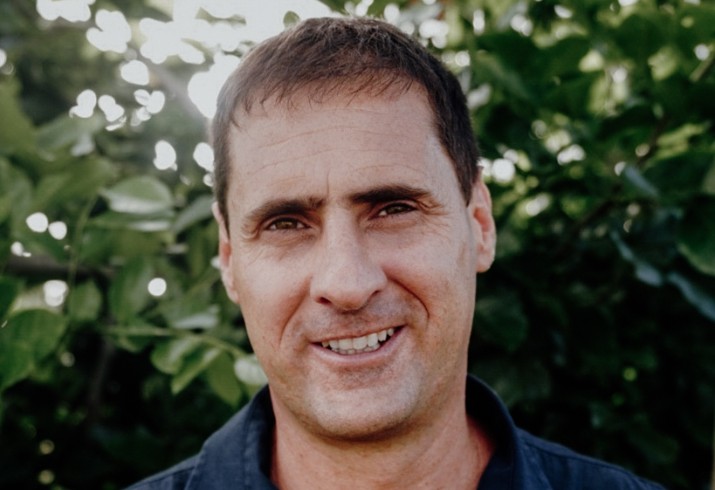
(358, 428)
(364, 417)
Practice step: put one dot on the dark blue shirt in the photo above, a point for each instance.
(237, 456)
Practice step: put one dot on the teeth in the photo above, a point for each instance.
(360, 343)
(357, 345)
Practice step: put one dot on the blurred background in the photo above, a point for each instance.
(119, 351)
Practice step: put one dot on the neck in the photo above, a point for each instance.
(449, 453)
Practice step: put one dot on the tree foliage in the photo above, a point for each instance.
(596, 323)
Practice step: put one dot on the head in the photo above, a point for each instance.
(329, 56)
(352, 226)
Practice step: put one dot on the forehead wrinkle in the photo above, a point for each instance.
(268, 165)
(362, 128)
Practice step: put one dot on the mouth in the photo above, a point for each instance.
(358, 345)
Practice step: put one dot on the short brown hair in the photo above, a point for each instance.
(332, 56)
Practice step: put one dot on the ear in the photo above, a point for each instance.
(225, 254)
(480, 212)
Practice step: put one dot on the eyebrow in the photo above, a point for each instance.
(387, 193)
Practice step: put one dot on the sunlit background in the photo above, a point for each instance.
(145, 44)
(151, 42)
(148, 43)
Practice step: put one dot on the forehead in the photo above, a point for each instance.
(307, 146)
(303, 113)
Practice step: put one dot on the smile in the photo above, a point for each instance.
(359, 345)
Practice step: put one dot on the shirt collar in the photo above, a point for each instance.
(510, 467)
(238, 455)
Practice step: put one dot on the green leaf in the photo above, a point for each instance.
(128, 294)
(195, 364)
(190, 313)
(249, 371)
(41, 244)
(16, 130)
(664, 63)
(100, 246)
(84, 303)
(160, 221)
(644, 270)
(27, 338)
(657, 447)
(139, 195)
(709, 181)
(635, 180)
(577, 96)
(702, 17)
(80, 179)
(510, 47)
(682, 175)
(639, 36)
(704, 302)
(198, 210)
(563, 57)
(9, 289)
(202, 245)
(490, 69)
(222, 380)
(696, 237)
(170, 356)
(290, 19)
(16, 363)
(15, 194)
(501, 320)
(515, 381)
(66, 130)
(377, 7)
(136, 337)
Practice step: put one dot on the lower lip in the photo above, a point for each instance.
(364, 358)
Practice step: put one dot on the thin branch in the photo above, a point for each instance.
(702, 71)
(43, 267)
(653, 141)
(94, 395)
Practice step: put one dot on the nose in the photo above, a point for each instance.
(346, 275)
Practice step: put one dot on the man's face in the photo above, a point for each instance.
(353, 257)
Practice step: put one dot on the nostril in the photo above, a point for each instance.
(346, 275)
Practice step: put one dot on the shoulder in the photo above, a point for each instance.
(236, 452)
(174, 478)
(565, 468)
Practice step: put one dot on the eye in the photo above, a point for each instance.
(395, 208)
(285, 224)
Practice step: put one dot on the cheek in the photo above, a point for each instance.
(439, 276)
(268, 296)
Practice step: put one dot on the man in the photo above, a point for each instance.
(353, 222)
